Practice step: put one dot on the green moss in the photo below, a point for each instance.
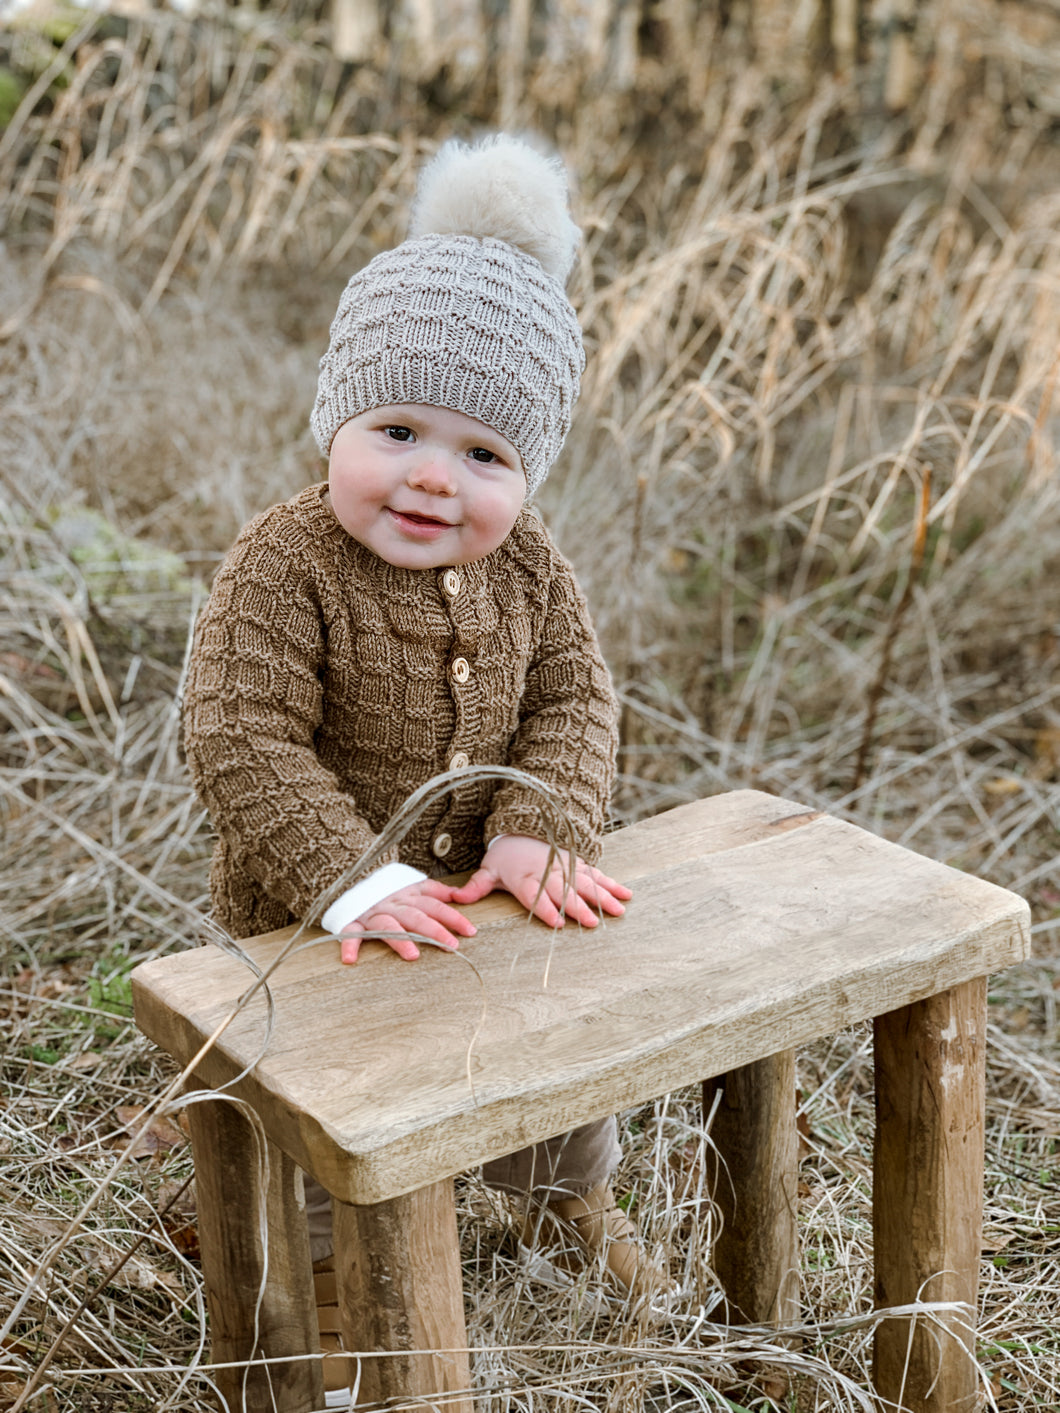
(36, 40)
(31, 54)
(115, 564)
(12, 87)
(59, 24)
(111, 996)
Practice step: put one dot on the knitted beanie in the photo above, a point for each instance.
(469, 313)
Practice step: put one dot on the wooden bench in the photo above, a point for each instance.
(756, 926)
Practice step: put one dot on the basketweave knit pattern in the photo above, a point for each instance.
(472, 325)
(319, 697)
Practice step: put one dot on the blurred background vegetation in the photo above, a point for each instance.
(811, 490)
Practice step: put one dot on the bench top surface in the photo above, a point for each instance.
(755, 925)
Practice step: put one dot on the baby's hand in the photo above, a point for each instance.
(420, 907)
(518, 864)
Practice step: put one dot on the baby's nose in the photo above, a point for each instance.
(433, 472)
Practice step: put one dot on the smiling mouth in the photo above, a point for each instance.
(416, 519)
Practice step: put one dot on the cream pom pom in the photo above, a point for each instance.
(504, 188)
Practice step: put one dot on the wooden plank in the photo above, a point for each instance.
(928, 1195)
(755, 926)
(399, 1280)
(229, 1196)
(752, 1167)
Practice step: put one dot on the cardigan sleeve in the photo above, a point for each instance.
(253, 701)
(568, 728)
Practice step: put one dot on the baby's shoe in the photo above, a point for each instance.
(338, 1376)
(597, 1223)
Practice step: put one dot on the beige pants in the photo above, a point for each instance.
(569, 1165)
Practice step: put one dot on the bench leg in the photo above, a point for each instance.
(228, 1194)
(401, 1292)
(928, 1194)
(753, 1170)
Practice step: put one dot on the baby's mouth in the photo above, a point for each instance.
(418, 519)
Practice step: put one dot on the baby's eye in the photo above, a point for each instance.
(483, 454)
(399, 434)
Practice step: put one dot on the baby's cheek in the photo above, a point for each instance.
(501, 510)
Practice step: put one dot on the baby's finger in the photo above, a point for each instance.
(405, 948)
(435, 888)
(598, 895)
(352, 937)
(587, 874)
(541, 902)
(609, 885)
(417, 919)
(577, 909)
(566, 897)
(448, 917)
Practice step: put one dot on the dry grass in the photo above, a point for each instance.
(812, 491)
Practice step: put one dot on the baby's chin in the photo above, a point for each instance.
(413, 557)
(444, 551)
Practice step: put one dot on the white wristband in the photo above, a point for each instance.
(349, 906)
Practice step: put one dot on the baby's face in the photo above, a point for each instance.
(423, 487)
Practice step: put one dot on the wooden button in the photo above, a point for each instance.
(459, 760)
(451, 583)
(460, 670)
(441, 846)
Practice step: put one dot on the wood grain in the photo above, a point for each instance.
(229, 1194)
(752, 1172)
(928, 1194)
(400, 1290)
(756, 926)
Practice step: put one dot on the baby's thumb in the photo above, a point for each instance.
(477, 886)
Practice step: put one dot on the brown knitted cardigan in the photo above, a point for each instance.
(322, 692)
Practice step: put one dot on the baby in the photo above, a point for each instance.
(412, 616)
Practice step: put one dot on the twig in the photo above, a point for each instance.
(916, 560)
